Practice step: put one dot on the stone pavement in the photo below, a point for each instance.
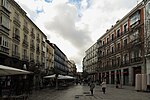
(81, 92)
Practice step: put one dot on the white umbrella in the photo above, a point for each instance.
(5, 70)
(50, 76)
(65, 77)
(59, 76)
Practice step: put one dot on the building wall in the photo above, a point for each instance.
(120, 49)
(23, 38)
(60, 61)
(49, 57)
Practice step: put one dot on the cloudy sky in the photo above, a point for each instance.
(75, 25)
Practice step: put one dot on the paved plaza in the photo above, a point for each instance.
(80, 92)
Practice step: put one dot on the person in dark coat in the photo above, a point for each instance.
(92, 86)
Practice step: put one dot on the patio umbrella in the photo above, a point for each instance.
(50, 76)
(5, 70)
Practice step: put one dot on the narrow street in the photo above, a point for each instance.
(81, 92)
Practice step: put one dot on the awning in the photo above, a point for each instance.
(5, 70)
(59, 76)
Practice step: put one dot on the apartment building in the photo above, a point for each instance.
(21, 40)
(60, 61)
(120, 49)
(90, 61)
(22, 43)
(123, 50)
(71, 68)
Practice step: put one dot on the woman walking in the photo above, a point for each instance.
(103, 84)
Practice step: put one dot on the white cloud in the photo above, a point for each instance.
(71, 33)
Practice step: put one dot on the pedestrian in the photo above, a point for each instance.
(103, 85)
(92, 86)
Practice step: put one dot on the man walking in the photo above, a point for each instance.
(92, 86)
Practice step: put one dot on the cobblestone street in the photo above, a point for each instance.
(81, 92)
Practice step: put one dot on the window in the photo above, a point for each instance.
(125, 42)
(0, 40)
(107, 63)
(125, 28)
(31, 56)
(118, 32)
(103, 42)
(148, 10)
(118, 61)
(25, 23)
(32, 30)
(136, 53)
(112, 37)
(134, 18)
(107, 40)
(16, 32)
(134, 36)
(25, 37)
(103, 53)
(125, 58)
(15, 49)
(112, 49)
(6, 4)
(118, 45)
(5, 21)
(4, 42)
(37, 58)
(113, 62)
(24, 52)
(16, 16)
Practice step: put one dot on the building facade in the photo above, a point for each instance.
(60, 61)
(147, 39)
(123, 51)
(71, 68)
(90, 62)
(49, 58)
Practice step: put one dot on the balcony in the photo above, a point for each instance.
(25, 58)
(16, 38)
(15, 54)
(4, 50)
(25, 29)
(135, 60)
(38, 50)
(4, 29)
(32, 47)
(25, 43)
(33, 35)
(135, 41)
(38, 39)
(125, 63)
(17, 21)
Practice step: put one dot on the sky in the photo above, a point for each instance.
(75, 25)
